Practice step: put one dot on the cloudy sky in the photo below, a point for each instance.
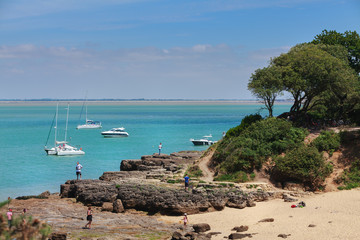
(168, 49)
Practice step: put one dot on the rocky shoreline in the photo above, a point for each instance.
(129, 199)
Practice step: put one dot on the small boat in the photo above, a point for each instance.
(89, 124)
(115, 132)
(203, 141)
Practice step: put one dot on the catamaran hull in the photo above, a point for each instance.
(50, 151)
(88, 127)
(70, 153)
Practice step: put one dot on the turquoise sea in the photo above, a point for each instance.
(25, 169)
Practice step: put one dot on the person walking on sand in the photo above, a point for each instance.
(9, 215)
(88, 218)
(160, 147)
(185, 219)
(186, 179)
(78, 170)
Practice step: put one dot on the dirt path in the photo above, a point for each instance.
(204, 166)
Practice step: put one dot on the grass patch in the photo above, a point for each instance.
(6, 202)
(351, 177)
(194, 172)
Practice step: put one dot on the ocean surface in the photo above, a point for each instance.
(25, 169)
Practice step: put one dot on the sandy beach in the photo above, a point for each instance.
(333, 215)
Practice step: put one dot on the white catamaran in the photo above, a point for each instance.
(62, 148)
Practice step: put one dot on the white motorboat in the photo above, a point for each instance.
(203, 141)
(89, 124)
(115, 132)
(62, 148)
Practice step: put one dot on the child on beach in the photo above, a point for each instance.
(185, 219)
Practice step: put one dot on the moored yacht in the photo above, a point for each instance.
(62, 148)
(115, 132)
(203, 141)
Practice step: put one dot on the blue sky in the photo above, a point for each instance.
(166, 49)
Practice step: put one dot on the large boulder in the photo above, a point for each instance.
(118, 206)
(201, 227)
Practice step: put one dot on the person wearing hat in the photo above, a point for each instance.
(185, 219)
(9, 217)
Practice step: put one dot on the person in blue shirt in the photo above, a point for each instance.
(186, 178)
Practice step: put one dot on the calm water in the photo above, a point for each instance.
(26, 169)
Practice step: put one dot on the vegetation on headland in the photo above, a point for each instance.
(323, 79)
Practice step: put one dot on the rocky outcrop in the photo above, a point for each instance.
(129, 189)
(171, 163)
(151, 198)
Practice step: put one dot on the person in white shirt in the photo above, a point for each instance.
(78, 170)
(160, 147)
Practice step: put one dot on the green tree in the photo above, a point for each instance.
(310, 73)
(350, 40)
(266, 85)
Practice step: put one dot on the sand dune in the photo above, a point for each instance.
(334, 215)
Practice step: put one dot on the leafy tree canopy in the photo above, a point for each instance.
(309, 72)
(350, 40)
(266, 85)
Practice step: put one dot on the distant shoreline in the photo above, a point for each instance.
(136, 102)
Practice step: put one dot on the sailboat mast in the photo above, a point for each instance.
(56, 118)
(86, 113)
(67, 119)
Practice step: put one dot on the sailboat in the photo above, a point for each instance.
(89, 124)
(62, 148)
(51, 150)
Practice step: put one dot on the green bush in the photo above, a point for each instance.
(303, 164)
(351, 177)
(255, 144)
(327, 141)
(245, 122)
(194, 172)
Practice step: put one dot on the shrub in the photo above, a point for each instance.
(351, 177)
(255, 144)
(24, 227)
(194, 172)
(6, 202)
(327, 141)
(303, 164)
(245, 122)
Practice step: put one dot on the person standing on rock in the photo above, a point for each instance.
(88, 218)
(160, 147)
(186, 179)
(78, 170)
(9, 215)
